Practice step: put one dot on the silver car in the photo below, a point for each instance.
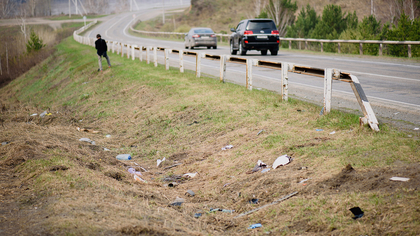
(200, 37)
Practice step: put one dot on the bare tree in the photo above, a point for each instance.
(6, 8)
(23, 26)
(96, 6)
(282, 12)
(259, 5)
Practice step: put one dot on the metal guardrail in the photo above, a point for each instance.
(321, 41)
(328, 74)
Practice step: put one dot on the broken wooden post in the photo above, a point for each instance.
(155, 56)
(198, 65)
(222, 68)
(167, 59)
(284, 81)
(328, 74)
(181, 61)
(364, 104)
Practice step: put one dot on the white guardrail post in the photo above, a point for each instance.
(141, 53)
(128, 51)
(155, 56)
(328, 75)
(133, 55)
(249, 63)
(166, 59)
(181, 61)
(198, 65)
(284, 81)
(222, 68)
(122, 49)
(147, 55)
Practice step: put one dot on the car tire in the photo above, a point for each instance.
(214, 47)
(263, 52)
(242, 51)
(208, 47)
(232, 51)
(274, 52)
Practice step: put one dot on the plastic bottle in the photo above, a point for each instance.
(124, 157)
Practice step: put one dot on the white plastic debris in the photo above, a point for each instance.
(416, 128)
(139, 179)
(332, 132)
(402, 179)
(159, 161)
(43, 114)
(260, 163)
(35, 114)
(304, 180)
(108, 136)
(227, 147)
(87, 140)
(190, 175)
(281, 161)
(106, 149)
(134, 172)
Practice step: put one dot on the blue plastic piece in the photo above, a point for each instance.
(255, 226)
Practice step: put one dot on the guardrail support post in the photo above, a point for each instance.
(361, 48)
(339, 47)
(133, 56)
(249, 63)
(122, 49)
(113, 46)
(198, 65)
(155, 56)
(128, 51)
(322, 47)
(409, 50)
(107, 46)
(380, 49)
(222, 68)
(290, 44)
(181, 61)
(147, 55)
(141, 53)
(306, 44)
(166, 59)
(364, 104)
(284, 81)
(327, 90)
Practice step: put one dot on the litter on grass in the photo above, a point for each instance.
(304, 180)
(106, 149)
(134, 172)
(87, 140)
(137, 178)
(108, 136)
(124, 157)
(222, 210)
(416, 128)
(357, 212)
(35, 114)
(227, 147)
(190, 175)
(159, 161)
(281, 161)
(265, 170)
(332, 132)
(253, 201)
(319, 130)
(260, 165)
(4, 143)
(178, 202)
(255, 226)
(190, 192)
(260, 132)
(402, 179)
(197, 215)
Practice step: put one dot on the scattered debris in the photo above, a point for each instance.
(172, 178)
(416, 128)
(260, 165)
(254, 201)
(261, 207)
(173, 184)
(87, 140)
(124, 157)
(222, 210)
(190, 192)
(402, 179)
(169, 167)
(4, 143)
(194, 122)
(35, 114)
(108, 136)
(322, 112)
(84, 82)
(159, 161)
(304, 180)
(332, 132)
(357, 212)
(281, 161)
(265, 170)
(260, 132)
(197, 215)
(319, 130)
(255, 226)
(137, 178)
(178, 202)
(56, 168)
(106, 149)
(133, 171)
(43, 114)
(227, 147)
(87, 130)
(227, 184)
(303, 168)
(396, 113)
(190, 175)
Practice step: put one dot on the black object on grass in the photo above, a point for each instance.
(357, 212)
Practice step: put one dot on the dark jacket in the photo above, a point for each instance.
(100, 46)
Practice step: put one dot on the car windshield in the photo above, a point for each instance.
(203, 31)
(260, 25)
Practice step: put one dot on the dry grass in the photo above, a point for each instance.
(152, 113)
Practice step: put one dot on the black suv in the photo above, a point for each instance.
(255, 34)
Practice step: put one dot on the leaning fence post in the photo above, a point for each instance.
(198, 65)
(147, 55)
(133, 56)
(166, 59)
(181, 61)
(155, 56)
(249, 63)
(222, 68)
(285, 81)
(328, 73)
(361, 48)
(409, 50)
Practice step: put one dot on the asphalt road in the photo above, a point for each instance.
(391, 85)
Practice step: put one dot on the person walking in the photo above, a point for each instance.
(101, 49)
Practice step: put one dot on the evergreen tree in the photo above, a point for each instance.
(305, 23)
(407, 30)
(34, 43)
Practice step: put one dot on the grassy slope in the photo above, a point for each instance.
(150, 113)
